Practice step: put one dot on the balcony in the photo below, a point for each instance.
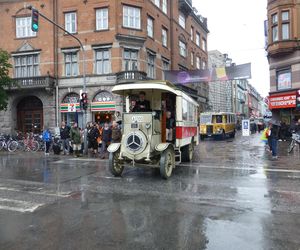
(186, 6)
(282, 47)
(131, 76)
(38, 82)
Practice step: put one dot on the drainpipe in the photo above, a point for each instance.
(55, 44)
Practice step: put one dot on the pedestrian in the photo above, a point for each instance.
(142, 105)
(89, 128)
(106, 139)
(274, 139)
(65, 138)
(116, 132)
(75, 136)
(94, 135)
(264, 137)
(47, 139)
(170, 125)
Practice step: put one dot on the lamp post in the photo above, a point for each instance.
(84, 120)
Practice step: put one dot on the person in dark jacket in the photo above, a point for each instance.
(116, 132)
(274, 136)
(65, 137)
(94, 134)
(142, 105)
(106, 139)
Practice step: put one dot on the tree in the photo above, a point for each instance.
(5, 80)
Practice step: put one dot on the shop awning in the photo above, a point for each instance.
(70, 107)
(103, 106)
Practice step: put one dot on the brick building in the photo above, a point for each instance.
(283, 36)
(124, 41)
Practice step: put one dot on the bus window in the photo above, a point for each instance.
(205, 119)
(218, 118)
(184, 110)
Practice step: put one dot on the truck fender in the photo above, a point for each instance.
(162, 146)
(113, 147)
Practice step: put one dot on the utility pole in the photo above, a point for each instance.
(36, 12)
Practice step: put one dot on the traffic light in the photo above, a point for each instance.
(84, 100)
(34, 20)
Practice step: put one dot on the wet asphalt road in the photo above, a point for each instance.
(233, 196)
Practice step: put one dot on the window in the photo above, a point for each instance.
(166, 65)
(164, 37)
(192, 58)
(204, 44)
(165, 6)
(151, 66)
(198, 62)
(70, 22)
(131, 17)
(285, 25)
(26, 66)
(23, 27)
(102, 19)
(71, 64)
(150, 26)
(274, 27)
(197, 39)
(283, 78)
(130, 59)
(204, 65)
(182, 48)
(182, 20)
(184, 110)
(102, 61)
(157, 3)
(192, 33)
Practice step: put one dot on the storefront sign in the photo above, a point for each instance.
(298, 99)
(282, 101)
(69, 107)
(103, 106)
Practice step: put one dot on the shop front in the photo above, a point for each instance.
(283, 107)
(70, 110)
(103, 107)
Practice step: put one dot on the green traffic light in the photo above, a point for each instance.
(35, 27)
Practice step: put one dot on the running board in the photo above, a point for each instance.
(177, 156)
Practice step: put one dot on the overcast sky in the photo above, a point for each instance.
(237, 29)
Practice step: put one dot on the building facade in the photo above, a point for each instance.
(124, 41)
(284, 58)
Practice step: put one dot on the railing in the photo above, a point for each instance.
(33, 82)
(131, 76)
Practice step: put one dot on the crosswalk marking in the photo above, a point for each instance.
(19, 206)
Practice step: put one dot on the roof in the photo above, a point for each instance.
(164, 86)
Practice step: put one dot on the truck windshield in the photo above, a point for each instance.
(204, 119)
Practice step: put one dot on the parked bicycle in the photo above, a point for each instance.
(295, 140)
(8, 143)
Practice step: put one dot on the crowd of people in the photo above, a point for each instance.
(99, 136)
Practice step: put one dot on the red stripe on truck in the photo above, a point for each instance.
(185, 132)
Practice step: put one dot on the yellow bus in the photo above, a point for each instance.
(217, 124)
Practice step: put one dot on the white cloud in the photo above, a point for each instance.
(237, 29)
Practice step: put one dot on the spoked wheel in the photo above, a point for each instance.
(21, 146)
(115, 166)
(34, 146)
(1, 145)
(167, 163)
(12, 146)
(291, 146)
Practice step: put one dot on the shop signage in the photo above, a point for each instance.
(69, 107)
(298, 99)
(103, 106)
(282, 101)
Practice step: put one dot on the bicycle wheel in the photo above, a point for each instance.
(291, 146)
(34, 146)
(12, 146)
(21, 146)
(1, 145)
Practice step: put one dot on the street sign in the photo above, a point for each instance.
(246, 127)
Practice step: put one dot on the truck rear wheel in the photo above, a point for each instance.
(187, 153)
(115, 166)
(167, 163)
